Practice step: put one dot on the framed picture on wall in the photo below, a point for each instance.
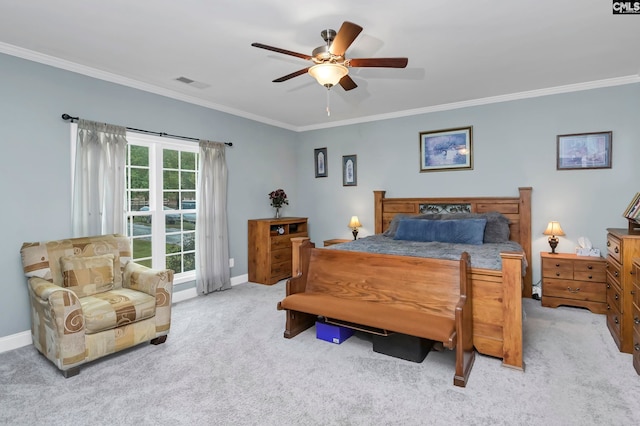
(448, 149)
(349, 170)
(320, 158)
(584, 151)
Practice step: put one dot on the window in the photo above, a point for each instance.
(161, 202)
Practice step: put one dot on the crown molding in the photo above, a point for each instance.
(114, 78)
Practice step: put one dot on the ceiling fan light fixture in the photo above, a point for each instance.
(328, 74)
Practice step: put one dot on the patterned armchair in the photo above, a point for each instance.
(88, 300)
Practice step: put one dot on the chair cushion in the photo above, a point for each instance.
(111, 309)
(87, 275)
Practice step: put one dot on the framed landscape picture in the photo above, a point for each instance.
(349, 170)
(584, 151)
(320, 158)
(449, 149)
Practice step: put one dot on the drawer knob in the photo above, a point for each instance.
(636, 320)
(615, 319)
(590, 277)
(571, 290)
(636, 347)
(608, 285)
(589, 267)
(616, 296)
(608, 307)
(557, 265)
(616, 250)
(616, 274)
(557, 274)
(608, 243)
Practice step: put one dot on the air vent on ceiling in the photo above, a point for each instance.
(196, 84)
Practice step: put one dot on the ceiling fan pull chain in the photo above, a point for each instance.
(328, 102)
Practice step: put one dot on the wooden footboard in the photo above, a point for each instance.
(497, 308)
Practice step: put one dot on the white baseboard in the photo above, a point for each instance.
(23, 338)
(15, 341)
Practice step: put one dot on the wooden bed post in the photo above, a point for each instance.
(525, 237)
(295, 254)
(512, 310)
(377, 206)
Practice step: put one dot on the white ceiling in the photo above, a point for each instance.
(460, 52)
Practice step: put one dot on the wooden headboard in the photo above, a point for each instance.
(516, 209)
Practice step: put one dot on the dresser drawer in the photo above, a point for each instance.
(613, 247)
(613, 323)
(578, 290)
(280, 242)
(613, 271)
(614, 297)
(281, 255)
(282, 269)
(557, 268)
(636, 350)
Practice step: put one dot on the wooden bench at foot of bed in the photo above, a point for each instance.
(423, 297)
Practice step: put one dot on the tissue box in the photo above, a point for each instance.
(332, 333)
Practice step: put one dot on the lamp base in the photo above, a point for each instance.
(355, 233)
(553, 243)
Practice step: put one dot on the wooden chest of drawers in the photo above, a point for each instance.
(573, 280)
(622, 248)
(269, 247)
(636, 314)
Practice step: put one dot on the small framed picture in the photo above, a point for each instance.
(349, 170)
(584, 151)
(320, 157)
(449, 149)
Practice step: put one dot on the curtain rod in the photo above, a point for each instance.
(66, 116)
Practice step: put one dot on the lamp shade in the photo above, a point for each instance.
(553, 228)
(354, 222)
(328, 74)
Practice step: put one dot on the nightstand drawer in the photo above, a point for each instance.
(578, 290)
(280, 242)
(557, 268)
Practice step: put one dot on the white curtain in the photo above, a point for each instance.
(212, 239)
(99, 180)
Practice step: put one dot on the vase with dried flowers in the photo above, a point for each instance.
(278, 198)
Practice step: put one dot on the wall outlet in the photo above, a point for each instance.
(231, 262)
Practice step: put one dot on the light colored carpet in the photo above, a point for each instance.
(226, 363)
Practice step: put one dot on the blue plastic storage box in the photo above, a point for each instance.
(332, 333)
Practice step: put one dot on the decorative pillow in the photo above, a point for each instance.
(87, 275)
(496, 230)
(467, 231)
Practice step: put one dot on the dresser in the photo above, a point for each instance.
(622, 248)
(269, 247)
(636, 314)
(572, 280)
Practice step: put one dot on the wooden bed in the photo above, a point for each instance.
(497, 294)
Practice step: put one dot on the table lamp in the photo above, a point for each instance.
(553, 229)
(354, 224)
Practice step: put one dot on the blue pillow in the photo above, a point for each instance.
(463, 231)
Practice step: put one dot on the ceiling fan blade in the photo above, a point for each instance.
(290, 76)
(379, 62)
(283, 51)
(345, 36)
(347, 83)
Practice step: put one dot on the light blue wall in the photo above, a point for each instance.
(35, 161)
(514, 145)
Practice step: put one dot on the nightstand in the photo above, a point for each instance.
(335, 241)
(571, 280)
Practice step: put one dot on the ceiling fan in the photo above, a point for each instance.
(331, 66)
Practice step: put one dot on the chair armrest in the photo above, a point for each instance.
(44, 290)
(154, 282)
